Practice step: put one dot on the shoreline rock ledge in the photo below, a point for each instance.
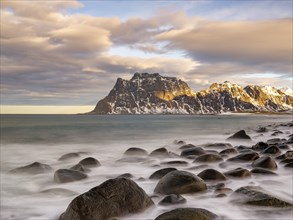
(113, 198)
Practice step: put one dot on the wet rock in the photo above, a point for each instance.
(283, 146)
(212, 175)
(272, 150)
(221, 195)
(290, 140)
(223, 190)
(160, 152)
(59, 192)
(175, 163)
(132, 160)
(262, 171)
(68, 156)
(136, 152)
(274, 141)
(260, 146)
(275, 133)
(89, 162)
(208, 158)
(239, 135)
(187, 214)
(238, 173)
(288, 160)
(262, 130)
(252, 195)
(113, 198)
(289, 165)
(194, 151)
(179, 142)
(266, 162)
(228, 151)
(172, 199)
(198, 167)
(125, 175)
(245, 157)
(162, 172)
(34, 168)
(218, 145)
(186, 146)
(79, 167)
(180, 182)
(66, 175)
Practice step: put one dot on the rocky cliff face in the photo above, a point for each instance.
(154, 94)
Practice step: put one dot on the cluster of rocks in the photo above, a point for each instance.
(122, 196)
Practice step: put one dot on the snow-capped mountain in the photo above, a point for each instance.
(148, 93)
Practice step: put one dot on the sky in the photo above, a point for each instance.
(69, 53)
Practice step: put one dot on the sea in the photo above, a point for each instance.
(45, 138)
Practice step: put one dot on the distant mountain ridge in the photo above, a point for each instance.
(148, 93)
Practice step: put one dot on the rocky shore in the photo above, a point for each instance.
(193, 172)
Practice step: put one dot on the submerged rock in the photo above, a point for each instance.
(265, 162)
(172, 199)
(212, 175)
(260, 146)
(59, 192)
(187, 214)
(160, 152)
(228, 151)
(208, 158)
(289, 165)
(113, 198)
(136, 151)
(175, 163)
(66, 175)
(34, 168)
(162, 172)
(245, 157)
(89, 162)
(194, 151)
(69, 156)
(272, 150)
(262, 171)
(180, 182)
(238, 173)
(239, 135)
(252, 195)
(79, 167)
(218, 145)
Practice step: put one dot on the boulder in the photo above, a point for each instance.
(187, 214)
(79, 167)
(239, 135)
(160, 173)
(125, 175)
(69, 156)
(238, 173)
(252, 195)
(34, 168)
(274, 141)
(272, 150)
(262, 171)
(132, 160)
(135, 151)
(180, 182)
(266, 162)
(172, 199)
(211, 175)
(208, 158)
(187, 146)
(89, 162)
(178, 142)
(245, 157)
(113, 198)
(260, 146)
(194, 151)
(66, 175)
(218, 145)
(175, 163)
(287, 155)
(262, 130)
(160, 152)
(289, 165)
(228, 151)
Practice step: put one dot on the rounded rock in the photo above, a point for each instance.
(212, 175)
(187, 214)
(265, 162)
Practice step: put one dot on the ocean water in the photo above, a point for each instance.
(44, 138)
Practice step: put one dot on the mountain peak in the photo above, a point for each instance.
(152, 93)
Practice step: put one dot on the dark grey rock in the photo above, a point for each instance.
(179, 142)
(132, 160)
(245, 157)
(194, 151)
(187, 214)
(238, 173)
(69, 156)
(274, 141)
(256, 196)
(218, 145)
(260, 146)
(66, 175)
(228, 151)
(208, 158)
(160, 173)
(266, 162)
(113, 198)
(58, 192)
(79, 167)
(262, 130)
(160, 152)
(272, 150)
(172, 199)
(239, 135)
(289, 165)
(187, 146)
(34, 168)
(125, 175)
(136, 151)
(89, 162)
(212, 175)
(262, 171)
(175, 163)
(180, 182)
